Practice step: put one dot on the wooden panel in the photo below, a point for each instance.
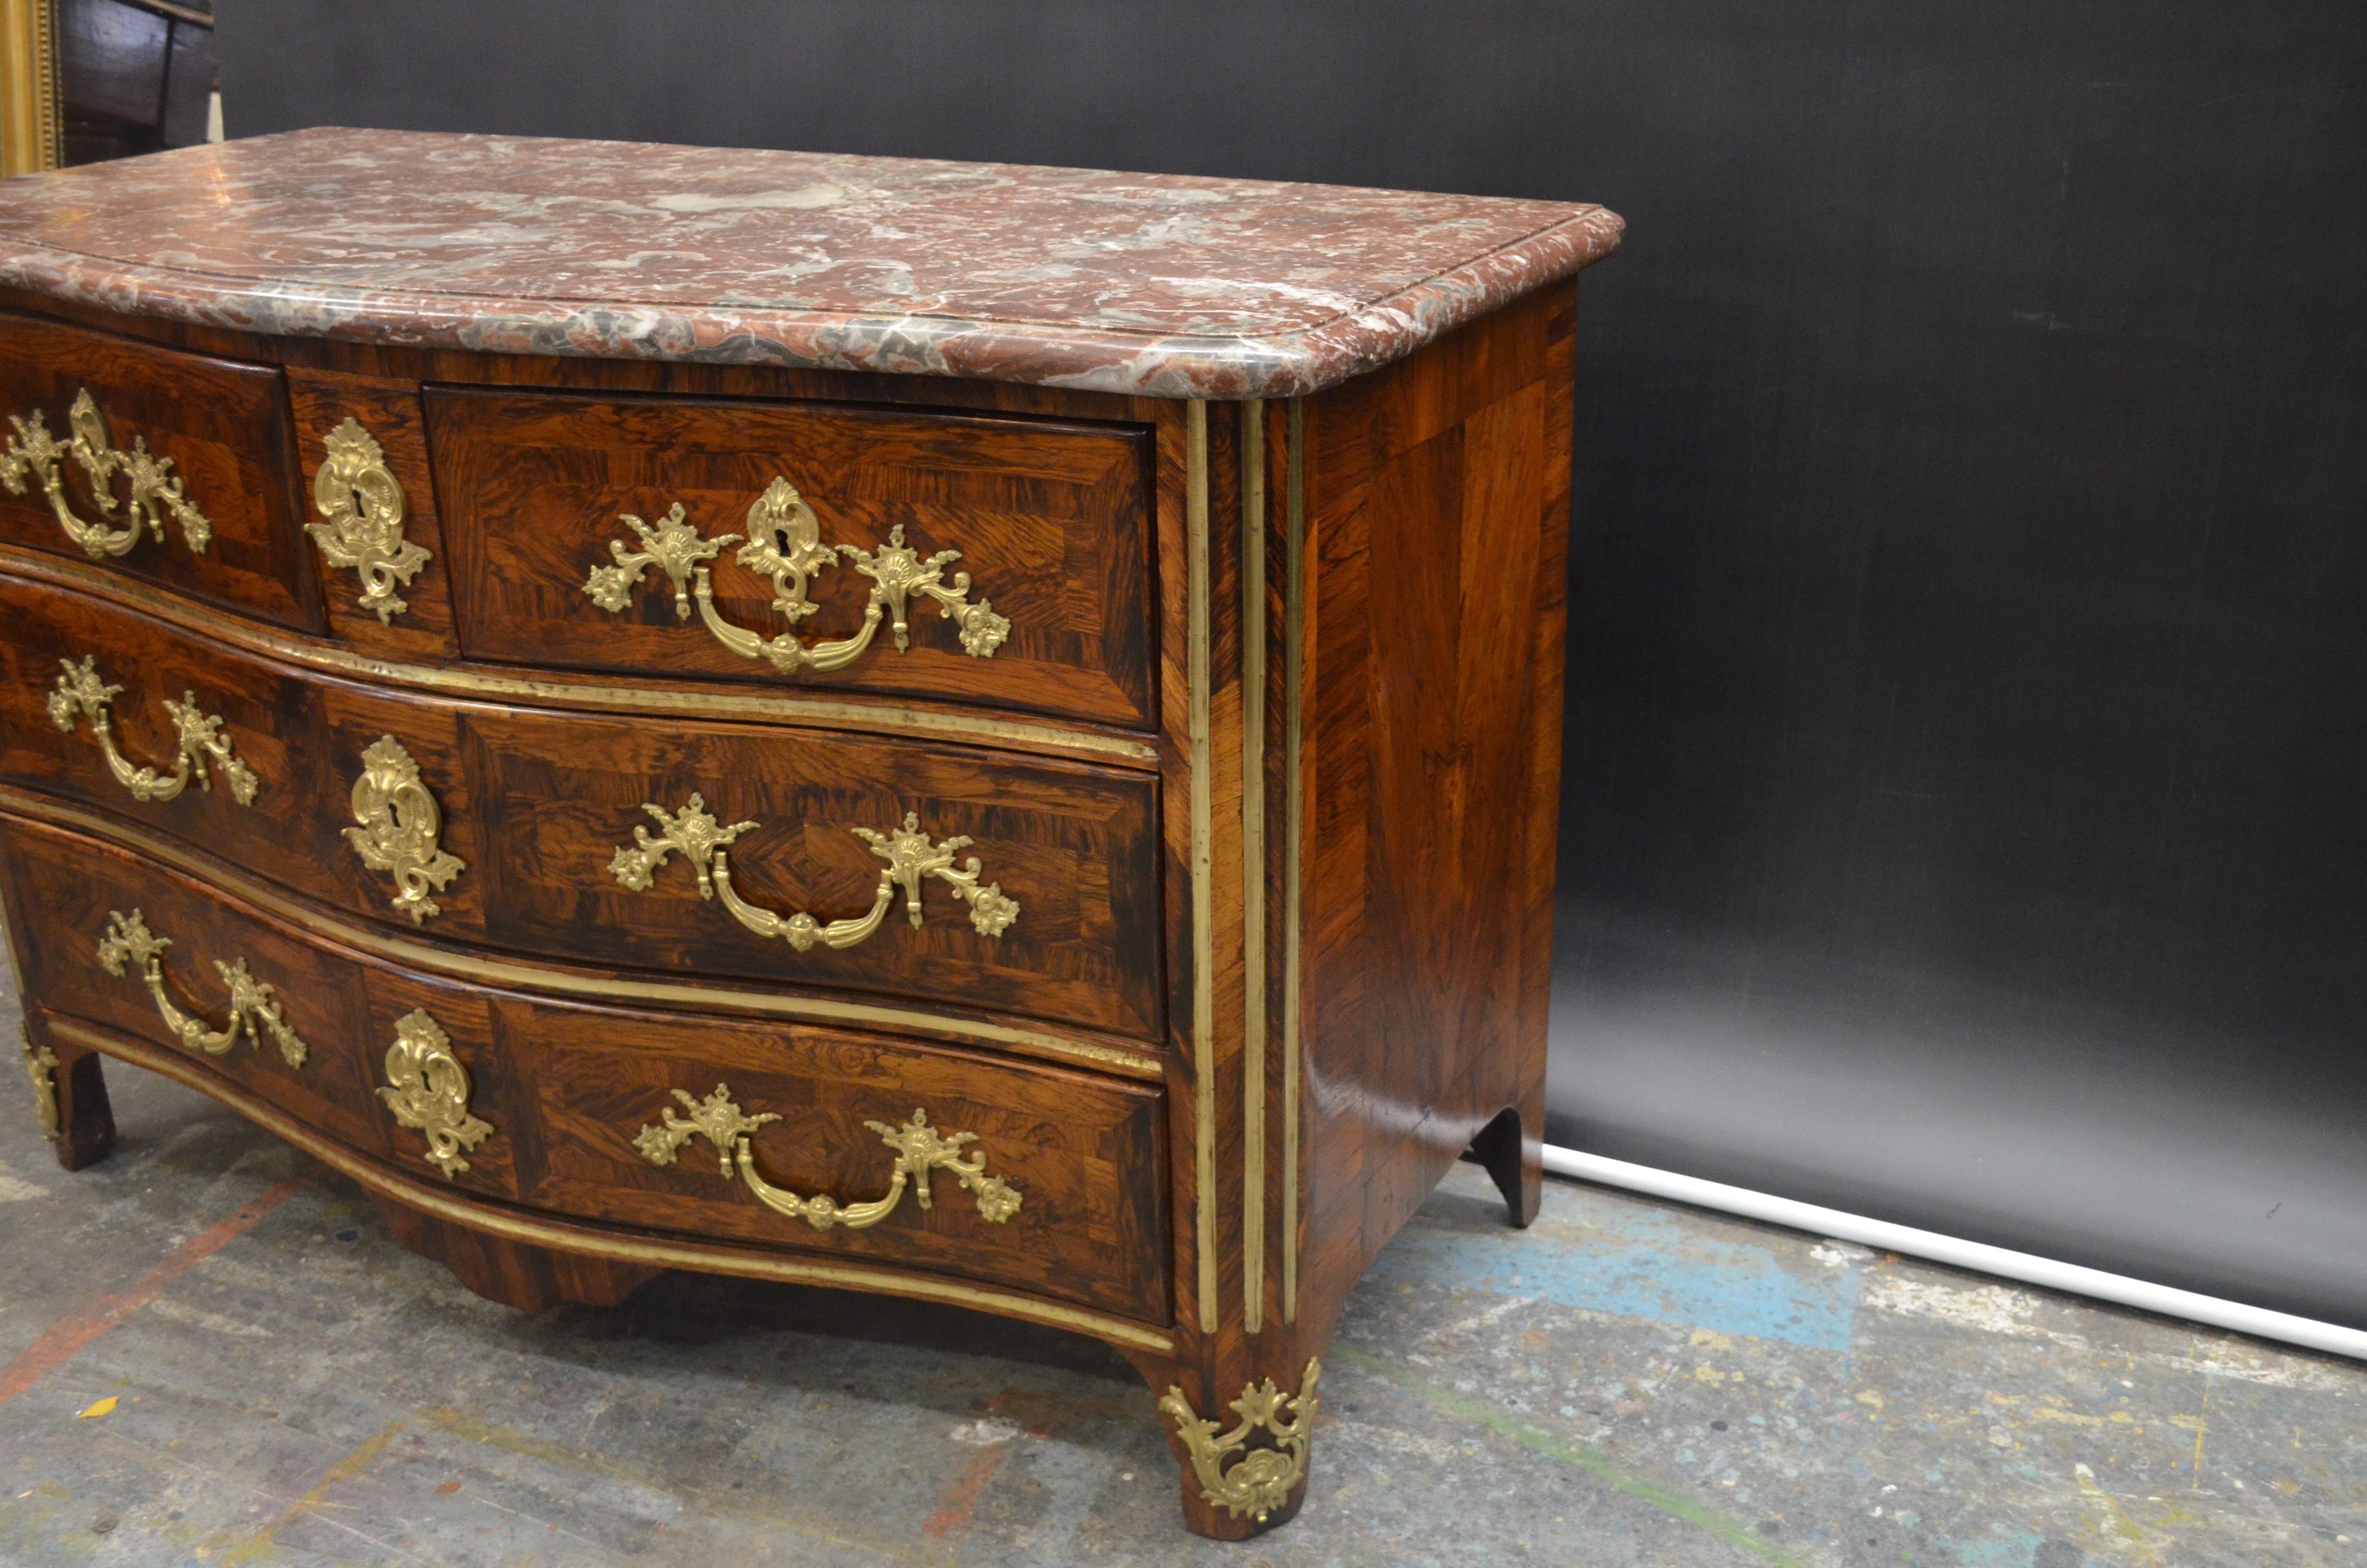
(566, 1088)
(536, 806)
(225, 427)
(1051, 520)
(1073, 845)
(1437, 512)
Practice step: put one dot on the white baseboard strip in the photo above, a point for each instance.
(2118, 1288)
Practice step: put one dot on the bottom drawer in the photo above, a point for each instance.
(778, 1136)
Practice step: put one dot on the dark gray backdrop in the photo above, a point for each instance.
(1967, 797)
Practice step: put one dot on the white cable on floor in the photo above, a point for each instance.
(2043, 1271)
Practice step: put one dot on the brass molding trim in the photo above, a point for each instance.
(154, 490)
(254, 1006)
(1294, 812)
(1204, 956)
(429, 1092)
(41, 1067)
(400, 826)
(199, 745)
(1145, 1063)
(821, 712)
(562, 1236)
(920, 1150)
(1253, 1088)
(701, 840)
(1261, 1479)
(362, 503)
(784, 544)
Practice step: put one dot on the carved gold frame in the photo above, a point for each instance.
(29, 109)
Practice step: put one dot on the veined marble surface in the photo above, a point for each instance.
(1160, 285)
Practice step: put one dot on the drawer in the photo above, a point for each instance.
(220, 520)
(642, 843)
(616, 1115)
(805, 532)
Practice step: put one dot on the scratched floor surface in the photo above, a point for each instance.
(1625, 1383)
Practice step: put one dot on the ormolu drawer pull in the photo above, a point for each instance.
(785, 544)
(198, 743)
(155, 489)
(920, 1150)
(253, 1006)
(910, 855)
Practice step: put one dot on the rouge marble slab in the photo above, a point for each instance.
(1158, 285)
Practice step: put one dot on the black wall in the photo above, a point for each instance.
(1966, 797)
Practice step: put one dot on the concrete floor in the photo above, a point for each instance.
(1625, 1383)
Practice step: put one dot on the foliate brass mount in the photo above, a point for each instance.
(400, 826)
(430, 1092)
(920, 1149)
(42, 1066)
(154, 489)
(910, 855)
(254, 1008)
(363, 503)
(199, 745)
(784, 544)
(1262, 1480)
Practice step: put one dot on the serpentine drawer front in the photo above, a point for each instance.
(775, 543)
(973, 732)
(1065, 1199)
(174, 469)
(577, 837)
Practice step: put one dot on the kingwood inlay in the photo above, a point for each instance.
(1155, 597)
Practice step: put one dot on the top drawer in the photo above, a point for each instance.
(992, 560)
(178, 468)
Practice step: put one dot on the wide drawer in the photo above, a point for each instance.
(975, 879)
(173, 467)
(614, 1115)
(811, 544)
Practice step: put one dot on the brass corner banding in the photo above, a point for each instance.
(1203, 810)
(1253, 650)
(1294, 811)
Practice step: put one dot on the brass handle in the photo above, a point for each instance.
(910, 855)
(363, 503)
(198, 747)
(254, 1008)
(155, 490)
(920, 1150)
(784, 544)
(400, 827)
(430, 1092)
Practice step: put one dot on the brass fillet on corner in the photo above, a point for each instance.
(1203, 955)
(1253, 1088)
(1293, 624)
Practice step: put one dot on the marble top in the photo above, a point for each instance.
(1162, 285)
